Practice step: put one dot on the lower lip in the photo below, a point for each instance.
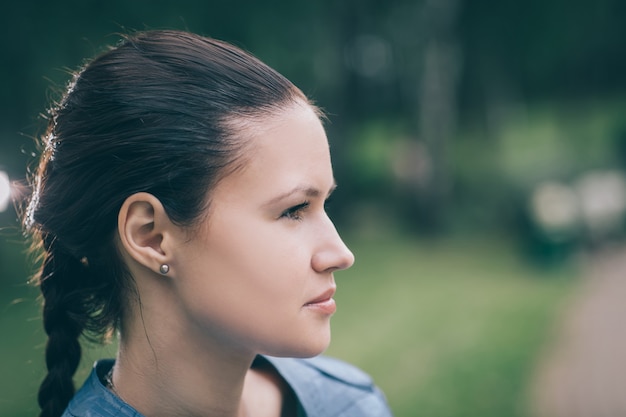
(324, 307)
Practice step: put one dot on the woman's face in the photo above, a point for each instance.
(259, 274)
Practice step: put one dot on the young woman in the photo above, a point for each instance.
(179, 201)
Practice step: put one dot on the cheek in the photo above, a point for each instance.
(247, 288)
(255, 272)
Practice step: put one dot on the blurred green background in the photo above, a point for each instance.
(479, 147)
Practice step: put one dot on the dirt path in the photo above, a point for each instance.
(584, 373)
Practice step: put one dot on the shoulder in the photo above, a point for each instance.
(95, 400)
(324, 386)
(330, 387)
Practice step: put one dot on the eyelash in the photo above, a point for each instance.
(295, 212)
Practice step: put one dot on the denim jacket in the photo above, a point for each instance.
(324, 387)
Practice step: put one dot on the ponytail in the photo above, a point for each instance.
(63, 323)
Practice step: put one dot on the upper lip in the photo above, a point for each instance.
(325, 296)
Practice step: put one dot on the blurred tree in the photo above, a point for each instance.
(418, 68)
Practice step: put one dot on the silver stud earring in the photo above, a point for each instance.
(164, 269)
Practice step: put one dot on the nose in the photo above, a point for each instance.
(332, 253)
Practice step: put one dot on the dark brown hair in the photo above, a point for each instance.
(154, 114)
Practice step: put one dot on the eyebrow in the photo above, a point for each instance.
(308, 191)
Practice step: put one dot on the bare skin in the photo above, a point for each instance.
(248, 282)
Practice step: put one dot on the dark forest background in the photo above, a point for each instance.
(480, 152)
(445, 115)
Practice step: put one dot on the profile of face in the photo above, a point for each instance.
(258, 274)
(200, 157)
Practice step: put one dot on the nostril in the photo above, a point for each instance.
(332, 259)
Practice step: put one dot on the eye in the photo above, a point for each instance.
(295, 212)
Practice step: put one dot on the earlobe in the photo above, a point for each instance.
(143, 227)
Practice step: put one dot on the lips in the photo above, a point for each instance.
(323, 304)
(324, 297)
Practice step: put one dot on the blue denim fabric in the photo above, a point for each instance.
(325, 387)
(331, 388)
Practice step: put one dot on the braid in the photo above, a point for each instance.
(63, 325)
(154, 114)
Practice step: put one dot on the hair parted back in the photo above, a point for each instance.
(154, 114)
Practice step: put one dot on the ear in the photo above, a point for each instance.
(146, 231)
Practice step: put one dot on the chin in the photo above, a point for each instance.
(306, 347)
(311, 351)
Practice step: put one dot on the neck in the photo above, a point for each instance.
(173, 376)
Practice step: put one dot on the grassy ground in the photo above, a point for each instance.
(447, 329)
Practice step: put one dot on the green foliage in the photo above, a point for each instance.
(515, 55)
(369, 155)
(446, 328)
(546, 140)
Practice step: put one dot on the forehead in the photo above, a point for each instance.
(291, 137)
(286, 149)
